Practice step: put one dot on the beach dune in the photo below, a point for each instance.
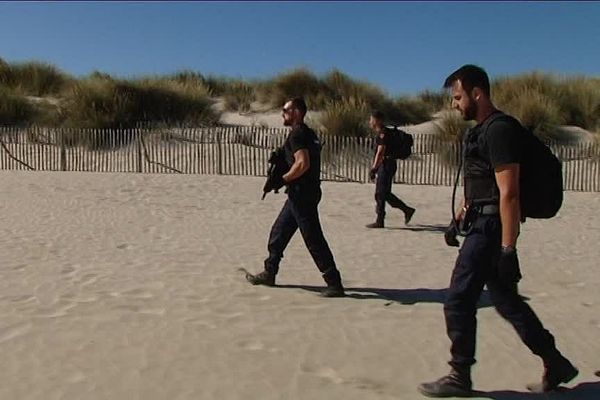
(126, 286)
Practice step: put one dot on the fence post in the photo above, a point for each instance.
(219, 158)
(63, 151)
(139, 149)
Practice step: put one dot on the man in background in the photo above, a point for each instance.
(383, 171)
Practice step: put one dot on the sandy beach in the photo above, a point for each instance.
(126, 286)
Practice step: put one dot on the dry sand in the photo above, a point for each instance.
(125, 286)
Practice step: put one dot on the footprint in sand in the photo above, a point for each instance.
(250, 345)
(20, 267)
(138, 294)
(124, 246)
(141, 310)
(79, 298)
(88, 279)
(13, 331)
(25, 298)
(331, 375)
(60, 310)
(68, 271)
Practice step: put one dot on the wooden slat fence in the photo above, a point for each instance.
(245, 151)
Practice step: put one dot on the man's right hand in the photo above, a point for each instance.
(277, 182)
(450, 235)
(373, 174)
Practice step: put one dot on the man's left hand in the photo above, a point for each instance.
(509, 271)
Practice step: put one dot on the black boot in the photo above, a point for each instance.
(378, 222)
(456, 384)
(557, 370)
(263, 278)
(408, 214)
(334, 284)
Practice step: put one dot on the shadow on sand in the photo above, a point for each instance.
(402, 296)
(421, 228)
(582, 391)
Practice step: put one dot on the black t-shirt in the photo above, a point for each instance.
(302, 137)
(485, 149)
(504, 140)
(383, 139)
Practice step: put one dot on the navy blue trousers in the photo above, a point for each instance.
(476, 267)
(383, 188)
(300, 211)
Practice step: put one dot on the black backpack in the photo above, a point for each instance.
(400, 144)
(541, 179)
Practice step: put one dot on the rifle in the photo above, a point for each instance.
(277, 167)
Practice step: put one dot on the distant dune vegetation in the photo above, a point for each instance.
(37, 93)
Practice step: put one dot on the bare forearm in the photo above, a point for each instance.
(295, 172)
(510, 216)
(378, 160)
(460, 212)
(507, 178)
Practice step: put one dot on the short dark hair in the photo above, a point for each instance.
(299, 103)
(471, 76)
(378, 115)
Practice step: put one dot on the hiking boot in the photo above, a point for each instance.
(378, 222)
(263, 278)
(408, 214)
(333, 279)
(333, 291)
(556, 371)
(452, 385)
(376, 225)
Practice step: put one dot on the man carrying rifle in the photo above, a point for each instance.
(277, 168)
(303, 155)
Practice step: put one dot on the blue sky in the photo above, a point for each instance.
(403, 47)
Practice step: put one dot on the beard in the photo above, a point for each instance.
(287, 122)
(470, 112)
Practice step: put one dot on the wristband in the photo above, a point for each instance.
(508, 249)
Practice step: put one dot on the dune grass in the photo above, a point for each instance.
(544, 101)
(33, 78)
(15, 110)
(98, 103)
(39, 93)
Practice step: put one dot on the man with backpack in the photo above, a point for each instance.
(493, 154)
(383, 170)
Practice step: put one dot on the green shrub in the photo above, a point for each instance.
(239, 96)
(435, 101)
(33, 78)
(406, 110)
(339, 86)
(15, 110)
(450, 129)
(579, 100)
(97, 103)
(544, 101)
(298, 82)
(537, 112)
(348, 117)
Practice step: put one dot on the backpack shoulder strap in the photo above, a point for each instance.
(494, 117)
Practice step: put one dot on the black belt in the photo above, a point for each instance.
(488, 209)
